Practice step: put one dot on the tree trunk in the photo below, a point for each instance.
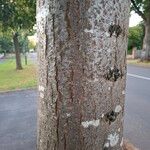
(82, 72)
(25, 59)
(146, 41)
(17, 51)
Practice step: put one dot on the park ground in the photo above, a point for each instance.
(12, 79)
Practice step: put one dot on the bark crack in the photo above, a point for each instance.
(54, 36)
(71, 85)
(67, 18)
(57, 100)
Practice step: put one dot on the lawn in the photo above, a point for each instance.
(12, 79)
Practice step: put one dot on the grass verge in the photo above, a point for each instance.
(12, 79)
(137, 62)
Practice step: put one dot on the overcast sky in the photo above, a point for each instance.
(134, 19)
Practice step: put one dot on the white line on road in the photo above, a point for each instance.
(137, 76)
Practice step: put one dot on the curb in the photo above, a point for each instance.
(18, 90)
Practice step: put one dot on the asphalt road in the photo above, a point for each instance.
(137, 109)
(18, 114)
(18, 120)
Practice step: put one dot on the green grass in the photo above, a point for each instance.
(12, 79)
(137, 62)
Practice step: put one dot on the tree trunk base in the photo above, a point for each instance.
(128, 146)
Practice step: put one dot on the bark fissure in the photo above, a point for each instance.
(67, 18)
(53, 20)
(71, 84)
(57, 101)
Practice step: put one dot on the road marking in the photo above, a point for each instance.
(137, 76)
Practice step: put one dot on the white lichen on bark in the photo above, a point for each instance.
(106, 145)
(41, 88)
(94, 123)
(113, 139)
(118, 108)
(121, 143)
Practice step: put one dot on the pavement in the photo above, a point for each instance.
(18, 114)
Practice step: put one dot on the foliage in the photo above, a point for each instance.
(23, 42)
(136, 35)
(17, 14)
(11, 79)
(6, 45)
(141, 7)
(32, 43)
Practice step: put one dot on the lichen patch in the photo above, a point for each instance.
(94, 123)
(123, 92)
(41, 88)
(113, 139)
(41, 95)
(106, 145)
(118, 108)
(121, 144)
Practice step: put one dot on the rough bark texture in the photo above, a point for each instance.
(17, 51)
(146, 41)
(82, 71)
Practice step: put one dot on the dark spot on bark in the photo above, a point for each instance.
(106, 148)
(113, 74)
(111, 116)
(114, 29)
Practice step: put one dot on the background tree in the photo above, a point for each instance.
(135, 38)
(6, 45)
(82, 70)
(142, 8)
(17, 15)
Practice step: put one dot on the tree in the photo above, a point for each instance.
(6, 45)
(82, 70)
(17, 15)
(135, 38)
(142, 7)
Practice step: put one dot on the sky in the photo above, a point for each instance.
(134, 19)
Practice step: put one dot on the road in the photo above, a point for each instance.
(18, 114)
(137, 116)
(18, 120)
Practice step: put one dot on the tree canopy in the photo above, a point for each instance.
(135, 38)
(141, 7)
(17, 14)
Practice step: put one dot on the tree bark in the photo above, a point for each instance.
(17, 51)
(146, 40)
(82, 72)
